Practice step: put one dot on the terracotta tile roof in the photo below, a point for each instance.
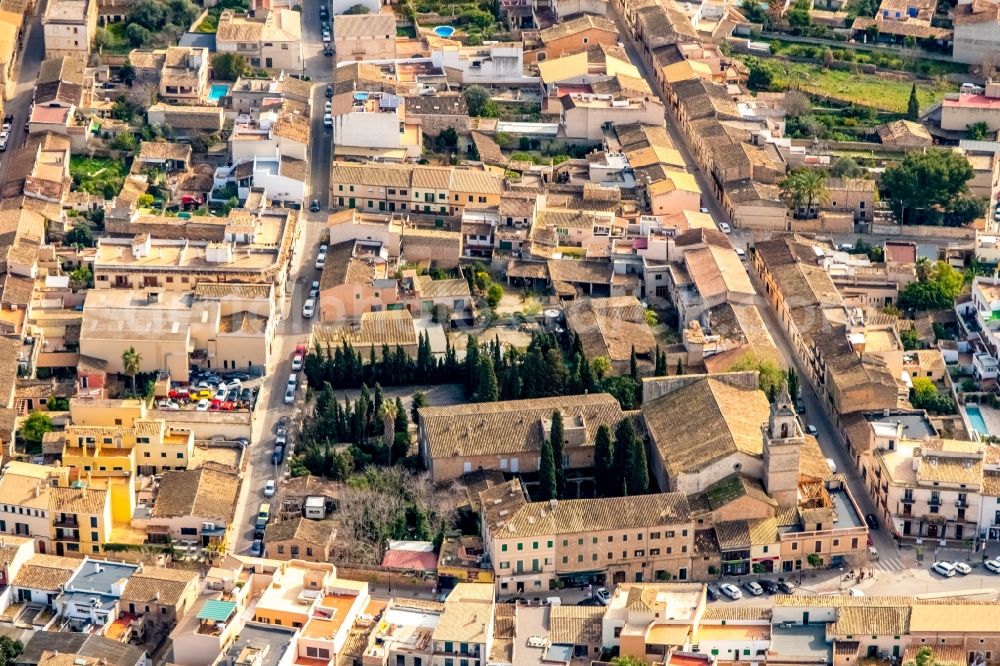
(876, 621)
(977, 11)
(45, 572)
(158, 585)
(316, 532)
(410, 559)
(511, 426)
(576, 625)
(371, 174)
(431, 288)
(358, 26)
(734, 487)
(391, 327)
(611, 327)
(595, 515)
(431, 177)
(716, 612)
(86, 501)
(705, 421)
(243, 322)
(207, 492)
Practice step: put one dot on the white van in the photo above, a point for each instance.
(832, 465)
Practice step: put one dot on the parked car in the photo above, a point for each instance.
(725, 228)
(962, 568)
(328, 106)
(603, 596)
(297, 361)
(731, 591)
(786, 587)
(246, 395)
(202, 405)
(321, 261)
(811, 429)
(220, 394)
(314, 289)
(871, 521)
(754, 588)
(269, 488)
(327, 120)
(239, 376)
(329, 92)
(289, 395)
(712, 593)
(309, 308)
(992, 565)
(769, 586)
(233, 395)
(257, 547)
(943, 568)
(327, 50)
(281, 440)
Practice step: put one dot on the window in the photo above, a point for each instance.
(93, 521)
(317, 652)
(534, 545)
(640, 553)
(549, 543)
(669, 534)
(653, 552)
(579, 542)
(654, 535)
(795, 545)
(503, 548)
(520, 546)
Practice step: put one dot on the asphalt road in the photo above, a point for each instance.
(31, 54)
(293, 328)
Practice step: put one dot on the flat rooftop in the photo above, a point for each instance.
(846, 515)
(803, 644)
(915, 425)
(268, 642)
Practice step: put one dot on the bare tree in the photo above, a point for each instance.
(144, 95)
(797, 103)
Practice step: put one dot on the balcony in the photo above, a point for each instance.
(934, 501)
(962, 503)
(66, 521)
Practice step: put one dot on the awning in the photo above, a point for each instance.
(384, 153)
(216, 611)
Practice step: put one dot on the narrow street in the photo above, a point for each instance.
(31, 55)
(830, 440)
(293, 328)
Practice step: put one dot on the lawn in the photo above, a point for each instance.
(97, 175)
(119, 42)
(859, 88)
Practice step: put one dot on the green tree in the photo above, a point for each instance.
(805, 188)
(624, 434)
(480, 103)
(638, 469)
(486, 384)
(600, 366)
(936, 287)
(34, 427)
(760, 77)
(792, 380)
(229, 66)
(815, 560)
(558, 439)
(494, 294)
(923, 389)
(387, 414)
(754, 11)
(137, 35)
(125, 141)
(628, 661)
(922, 188)
(127, 73)
(847, 167)
(909, 338)
(131, 364)
(471, 365)
(680, 367)
(633, 365)
(547, 473)
(10, 649)
(977, 131)
(358, 9)
(660, 368)
(771, 376)
(604, 471)
(80, 235)
(913, 104)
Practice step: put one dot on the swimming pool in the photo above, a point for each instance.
(444, 31)
(217, 92)
(976, 419)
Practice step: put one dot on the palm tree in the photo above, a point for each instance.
(804, 188)
(131, 364)
(387, 412)
(923, 269)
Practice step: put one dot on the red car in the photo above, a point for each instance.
(227, 406)
(300, 350)
(179, 394)
(190, 200)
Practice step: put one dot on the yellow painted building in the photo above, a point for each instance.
(81, 519)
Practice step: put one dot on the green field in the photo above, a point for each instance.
(859, 88)
(97, 175)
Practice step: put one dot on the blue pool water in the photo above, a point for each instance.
(444, 31)
(976, 419)
(217, 92)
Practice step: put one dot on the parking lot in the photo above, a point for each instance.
(211, 392)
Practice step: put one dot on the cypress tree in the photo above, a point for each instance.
(913, 105)
(558, 439)
(419, 400)
(680, 367)
(486, 382)
(661, 363)
(604, 462)
(586, 377)
(497, 360)
(633, 365)
(402, 422)
(547, 473)
(793, 384)
(624, 434)
(638, 472)
(471, 366)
